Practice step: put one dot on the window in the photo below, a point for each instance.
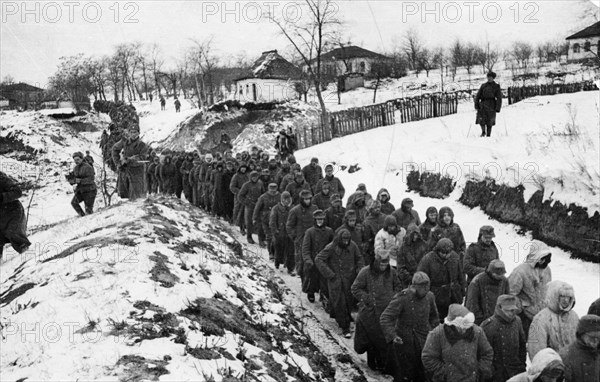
(362, 66)
(587, 46)
(576, 48)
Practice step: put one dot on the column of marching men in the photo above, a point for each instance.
(429, 307)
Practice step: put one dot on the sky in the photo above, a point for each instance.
(35, 34)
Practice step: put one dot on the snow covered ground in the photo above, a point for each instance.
(155, 124)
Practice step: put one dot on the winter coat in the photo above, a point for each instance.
(281, 173)
(321, 201)
(385, 240)
(451, 231)
(185, 169)
(295, 188)
(447, 281)
(334, 218)
(358, 194)
(312, 174)
(167, 174)
(238, 181)
(222, 195)
(477, 258)
(488, 102)
(387, 208)
(299, 220)
(482, 295)
(361, 213)
(335, 186)
(465, 361)
(409, 317)
(538, 365)
(84, 177)
(315, 240)
(594, 308)
(137, 150)
(426, 227)
(278, 220)
(405, 217)
(529, 283)
(582, 363)
(357, 234)
(409, 255)
(249, 193)
(373, 289)
(554, 327)
(340, 266)
(285, 181)
(262, 210)
(508, 341)
(371, 226)
(12, 215)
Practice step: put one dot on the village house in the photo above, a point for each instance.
(271, 78)
(349, 59)
(22, 95)
(585, 44)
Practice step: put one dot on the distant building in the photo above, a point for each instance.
(271, 78)
(3, 103)
(349, 59)
(22, 95)
(585, 44)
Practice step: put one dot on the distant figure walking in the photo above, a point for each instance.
(177, 105)
(150, 95)
(162, 103)
(488, 102)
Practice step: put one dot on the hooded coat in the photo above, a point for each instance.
(357, 233)
(335, 186)
(447, 281)
(451, 231)
(538, 364)
(334, 217)
(385, 240)
(410, 254)
(295, 188)
(554, 327)
(529, 283)
(465, 360)
(507, 338)
(582, 363)
(371, 226)
(167, 174)
(482, 294)
(477, 258)
(13, 226)
(373, 289)
(404, 217)
(340, 267)
(387, 208)
(358, 194)
(428, 225)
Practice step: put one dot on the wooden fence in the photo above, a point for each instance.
(355, 120)
(516, 94)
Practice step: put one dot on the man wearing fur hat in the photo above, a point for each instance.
(129, 154)
(361, 191)
(443, 267)
(299, 220)
(313, 173)
(391, 235)
(484, 290)
(335, 185)
(413, 249)
(405, 323)
(457, 350)
(488, 102)
(582, 358)
(406, 215)
(504, 332)
(479, 254)
(315, 239)
(374, 288)
(82, 178)
(334, 215)
(322, 199)
(372, 225)
(283, 245)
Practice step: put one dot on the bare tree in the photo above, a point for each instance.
(203, 63)
(522, 53)
(456, 57)
(440, 59)
(156, 63)
(469, 57)
(412, 46)
(8, 80)
(310, 36)
(426, 60)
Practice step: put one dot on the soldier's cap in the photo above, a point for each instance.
(588, 323)
(314, 160)
(329, 166)
(319, 214)
(420, 278)
(487, 230)
(254, 174)
(361, 187)
(335, 198)
(272, 186)
(491, 74)
(508, 301)
(304, 194)
(325, 183)
(78, 154)
(350, 214)
(497, 266)
(286, 195)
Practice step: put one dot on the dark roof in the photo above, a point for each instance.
(21, 86)
(351, 51)
(591, 31)
(270, 65)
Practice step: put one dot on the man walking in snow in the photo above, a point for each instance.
(488, 102)
(13, 224)
(130, 153)
(177, 105)
(82, 179)
(163, 102)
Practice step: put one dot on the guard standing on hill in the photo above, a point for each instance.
(13, 224)
(82, 178)
(488, 102)
(130, 154)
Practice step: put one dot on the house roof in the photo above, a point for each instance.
(351, 51)
(271, 65)
(591, 31)
(21, 86)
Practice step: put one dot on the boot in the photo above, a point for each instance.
(261, 243)
(311, 297)
(251, 240)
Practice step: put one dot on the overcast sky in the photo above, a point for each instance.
(33, 37)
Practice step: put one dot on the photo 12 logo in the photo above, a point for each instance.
(69, 11)
(469, 11)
